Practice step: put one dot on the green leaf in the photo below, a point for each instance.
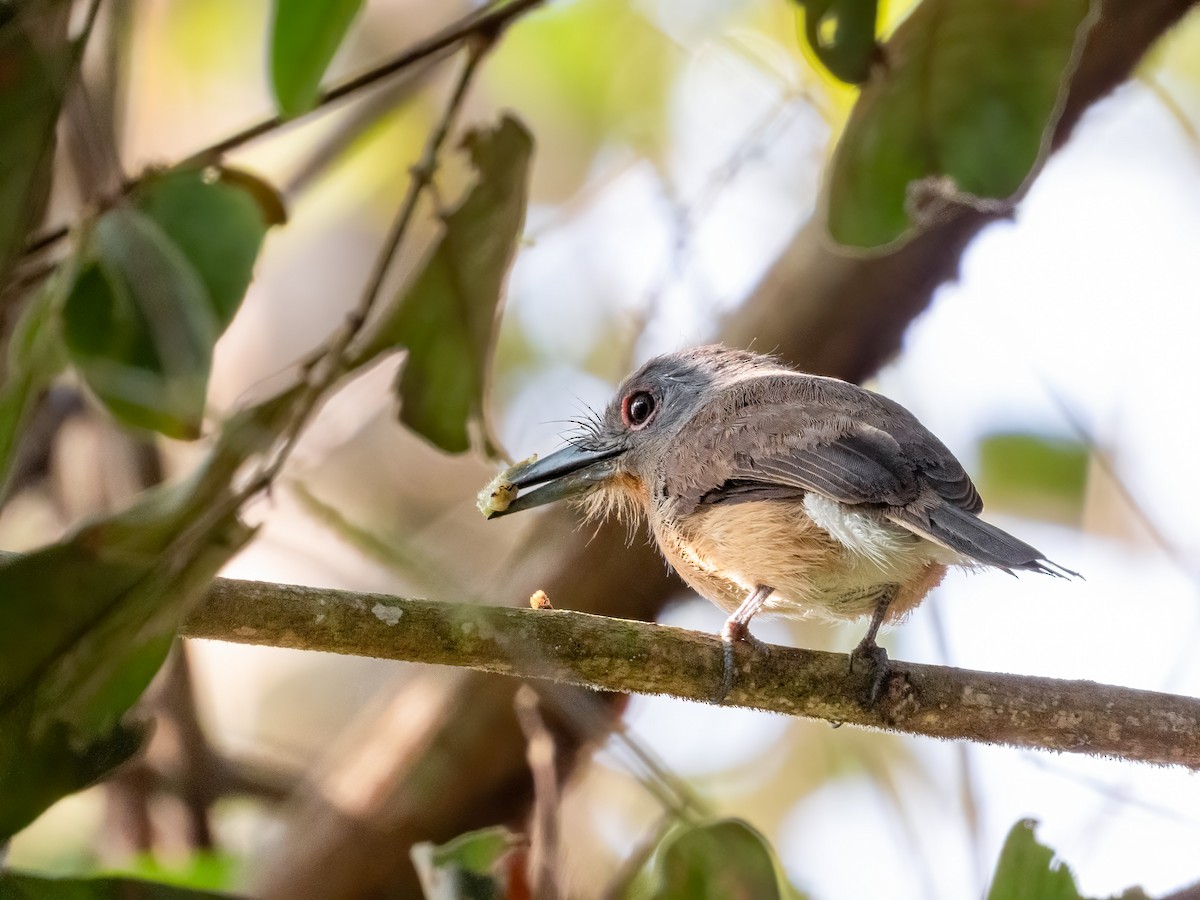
(158, 285)
(724, 860)
(841, 34)
(477, 851)
(469, 867)
(24, 886)
(35, 356)
(84, 625)
(34, 70)
(35, 773)
(1027, 870)
(960, 113)
(140, 328)
(447, 318)
(206, 869)
(1034, 474)
(218, 218)
(305, 36)
(86, 622)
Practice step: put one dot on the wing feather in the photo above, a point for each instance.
(865, 466)
(981, 541)
(852, 446)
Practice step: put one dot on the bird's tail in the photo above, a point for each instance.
(982, 542)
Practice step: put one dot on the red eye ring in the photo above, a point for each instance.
(637, 409)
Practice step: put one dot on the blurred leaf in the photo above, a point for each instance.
(1027, 870)
(35, 356)
(139, 326)
(84, 625)
(1034, 474)
(725, 860)
(841, 34)
(269, 201)
(470, 867)
(447, 318)
(18, 886)
(86, 622)
(36, 773)
(207, 870)
(158, 285)
(218, 218)
(33, 79)
(305, 37)
(477, 851)
(959, 114)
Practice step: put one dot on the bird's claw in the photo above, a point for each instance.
(880, 667)
(734, 633)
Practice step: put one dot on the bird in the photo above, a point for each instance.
(771, 490)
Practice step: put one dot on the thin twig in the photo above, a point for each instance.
(331, 362)
(93, 144)
(357, 119)
(638, 657)
(76, 61)
(688, 216)
(24, 281)
(592, 720)
(633, 864)
(490, 20)
(540, 751)
(1173, 107)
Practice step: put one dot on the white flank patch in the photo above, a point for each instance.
(886, 545)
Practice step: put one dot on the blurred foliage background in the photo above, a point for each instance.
(677, 195)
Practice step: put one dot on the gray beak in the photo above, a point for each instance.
(563, 474)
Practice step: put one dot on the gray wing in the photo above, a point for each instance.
(864, 466)
(896, 468)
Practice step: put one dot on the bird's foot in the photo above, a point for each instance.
(876, 657)
(733, 633)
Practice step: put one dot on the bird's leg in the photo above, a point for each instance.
(737, 628)
(870, 651)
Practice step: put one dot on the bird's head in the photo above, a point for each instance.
(616, 458)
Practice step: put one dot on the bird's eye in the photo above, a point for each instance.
(637, 409)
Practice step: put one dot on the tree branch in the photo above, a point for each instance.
(639, 657)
